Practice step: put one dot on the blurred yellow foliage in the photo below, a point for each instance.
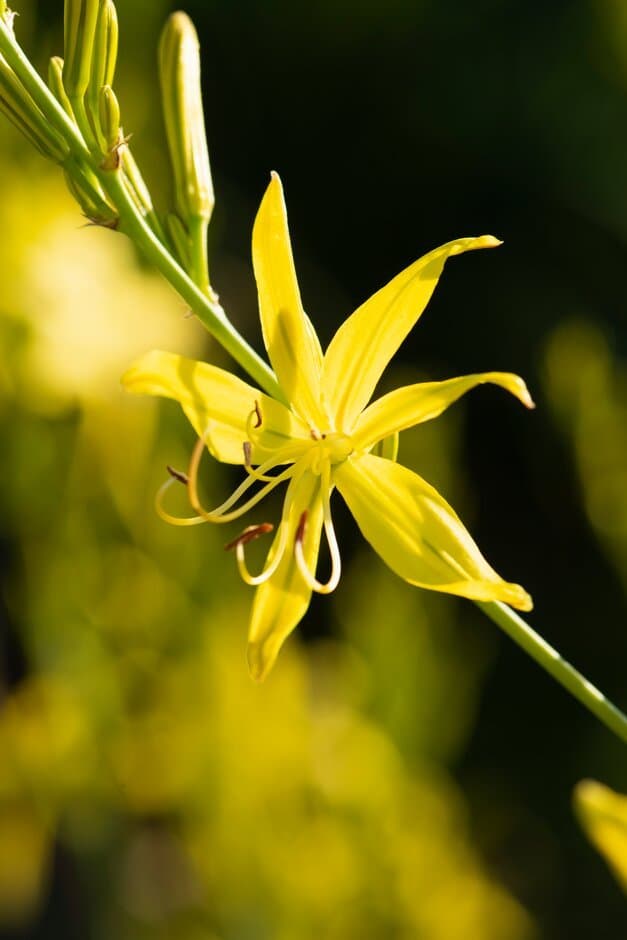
(603, 814)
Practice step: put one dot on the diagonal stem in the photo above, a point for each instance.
(208, 311)
(555, 664)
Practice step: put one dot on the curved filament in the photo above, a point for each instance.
(166, 516)
(336, 561)
(270, 568)
(221, 514)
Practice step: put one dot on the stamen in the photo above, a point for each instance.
(249, 534)
(166, 516)
(302, 526)
(253, 423)
(178, 475)
(220, 513)
(336, 562)
(248, 452)
(240, 550)
(279, 547)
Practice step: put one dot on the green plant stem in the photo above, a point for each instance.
(561, 670)
(39, 91)
(199, 255)
(208, 311)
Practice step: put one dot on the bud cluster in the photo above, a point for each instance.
(86, 110)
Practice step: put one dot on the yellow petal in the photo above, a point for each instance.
(288, 334)
(282, 601)
(414, 404)
(603, 814)
(217, 403)
(416, 532)
(365, 343)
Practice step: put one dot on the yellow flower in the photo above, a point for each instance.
(325, 438)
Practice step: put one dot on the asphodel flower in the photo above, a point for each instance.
(323, 437)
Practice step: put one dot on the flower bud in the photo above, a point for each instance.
(179, 236)
(179, 61)
(139, 191)
(92, 202)
(55, 83)
(109, 114)
(22, 111)
(105, 55)
(80, 29)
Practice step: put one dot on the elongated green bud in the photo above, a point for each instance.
(139, 190)
(109, 115)
(94, 206)
(179, 62)
(80, 29)
(55, 83)
(20, 108)
(105, 54)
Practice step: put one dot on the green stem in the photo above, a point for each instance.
(561, 670)
(208, 311)
(199, 254)
(39, 91)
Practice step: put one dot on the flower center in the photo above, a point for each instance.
(330, 448)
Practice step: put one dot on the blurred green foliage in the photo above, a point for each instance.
(384, 782)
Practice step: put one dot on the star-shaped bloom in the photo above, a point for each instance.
(326, 436)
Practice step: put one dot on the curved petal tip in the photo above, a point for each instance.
(261, 659)
(473, 244)
(523, 394)
(488, 241)
(517, 597)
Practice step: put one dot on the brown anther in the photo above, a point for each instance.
(178, 475)
(249, 535)
(248, 452)
(113, 158)
(302, 527)
(314, 434)
(258, 415)
(103, 223)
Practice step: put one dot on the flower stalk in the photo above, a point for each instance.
(554, 663)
